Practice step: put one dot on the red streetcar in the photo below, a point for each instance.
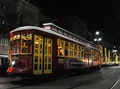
(50, 50)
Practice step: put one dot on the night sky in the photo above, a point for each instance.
(102, 15)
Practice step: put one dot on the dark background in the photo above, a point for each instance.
(102, 15)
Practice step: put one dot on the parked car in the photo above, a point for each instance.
(3, 69)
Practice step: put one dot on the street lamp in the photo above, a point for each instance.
(97, 37)
(97, 33)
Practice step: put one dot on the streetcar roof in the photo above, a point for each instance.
(51, 32)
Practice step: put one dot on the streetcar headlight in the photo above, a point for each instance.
(13, 62)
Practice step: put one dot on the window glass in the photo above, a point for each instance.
(36, 67)
(26, 40)
(66, 48)
(36, 58)
(60, 47)
(75, 50)
(71, 49)
(15, 46)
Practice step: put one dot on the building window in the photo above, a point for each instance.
(4, 41)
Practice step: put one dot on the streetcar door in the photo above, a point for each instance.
(47, 55)
(42, 59)
(38, 55)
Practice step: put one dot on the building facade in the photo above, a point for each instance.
(76, 26)
(15, 13)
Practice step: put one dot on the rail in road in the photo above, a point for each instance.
(107, 78)
(116, 85)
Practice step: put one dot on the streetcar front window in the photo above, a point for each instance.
(26, 40)
(15, 44)
(21, 43)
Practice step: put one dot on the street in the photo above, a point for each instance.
(107, 78)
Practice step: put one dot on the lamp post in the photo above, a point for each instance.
(103, 50)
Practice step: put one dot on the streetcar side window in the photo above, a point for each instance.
(86, 53)
(79, 51)
(75, 50)
(92, 54)
(66, 48)
(60, 47)
(71, 49)
(96, 55)
(82, 54)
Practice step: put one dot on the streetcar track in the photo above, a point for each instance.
(97, 77)
(112, 87)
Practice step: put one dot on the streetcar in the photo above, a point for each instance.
(50, 51)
